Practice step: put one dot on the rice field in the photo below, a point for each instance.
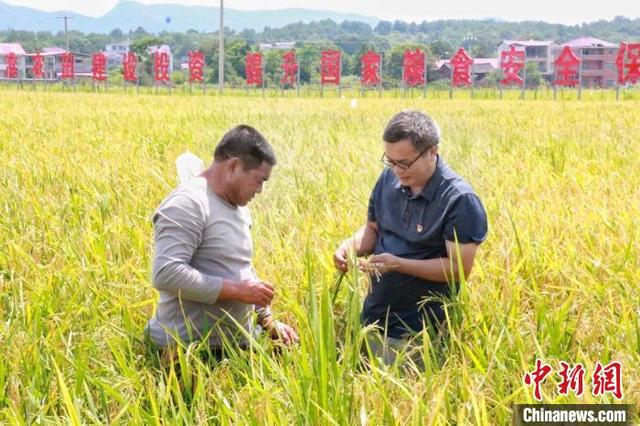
(82, 173)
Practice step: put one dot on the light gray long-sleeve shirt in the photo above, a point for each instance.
(200, 239)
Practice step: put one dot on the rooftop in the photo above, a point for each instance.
(589, 42)
(6, 48)
(494, 62)
(528, 43)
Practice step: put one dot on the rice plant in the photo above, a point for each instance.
(82, 173)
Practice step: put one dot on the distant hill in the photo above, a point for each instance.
(129, 15)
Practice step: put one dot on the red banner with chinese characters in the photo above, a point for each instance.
(566, 66)
(38, 66)
(12, 66)
(253, 68)
(68, 66)
(330, 67)
(289, 69)
(628, 63)
(196, 66)
(371, 64)
(461, 64)
(99, 66)
(129, 65)
(511, 62)
(413, 67)
(161, 67)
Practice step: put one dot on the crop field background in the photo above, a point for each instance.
(81, 174)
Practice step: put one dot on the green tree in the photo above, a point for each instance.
(534, 76)
(441, 49)
(383, 27)
(394, 59)
(116, 34)
(141, 48)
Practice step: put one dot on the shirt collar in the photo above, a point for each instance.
(429, 190)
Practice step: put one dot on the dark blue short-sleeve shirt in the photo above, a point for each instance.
(416, 227)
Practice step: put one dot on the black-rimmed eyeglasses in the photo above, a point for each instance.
(402, 164)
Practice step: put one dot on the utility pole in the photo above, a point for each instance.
(221, 49)
(66, 37)
(470, 38)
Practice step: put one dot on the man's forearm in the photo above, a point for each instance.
(363, 240)
(194, 285)
(189, 283)
(437, 270)
(229, 290)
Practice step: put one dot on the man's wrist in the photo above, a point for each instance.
(267, 321)
(349, 245)
(229, 290)
(264, 314)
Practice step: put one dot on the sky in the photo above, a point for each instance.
(554, 11)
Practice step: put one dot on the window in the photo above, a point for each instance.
(536, 52)
(592, 65)
(592, 52)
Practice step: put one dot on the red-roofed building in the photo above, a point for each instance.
(540, 52)
(53, 60)
(5, 50)
(598, 60)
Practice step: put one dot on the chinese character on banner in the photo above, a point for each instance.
(289, 69)
(536, 377)
(567, 68)
(461, 64)
(129, 65)
(608, 379)
(196, 66)
(253, 68)
(511, 62)
(330, 67)
(371, 69)
(12, 65)
(99, 66)
(628, 60)
(161, 66)
(572, 379)
(413, 66)
(68, 65)
(38, 66)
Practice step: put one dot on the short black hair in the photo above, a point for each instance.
(419, 128)
(246, 143)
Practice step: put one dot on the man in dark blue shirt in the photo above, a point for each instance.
(419, 209)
